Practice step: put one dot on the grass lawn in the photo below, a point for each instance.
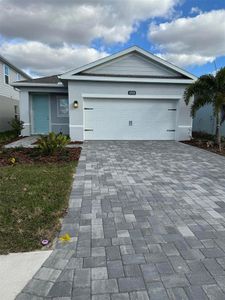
(32, 200)
(7, 137)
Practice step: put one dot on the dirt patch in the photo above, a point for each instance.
(75, 143)
(32, 156)
(206, 145)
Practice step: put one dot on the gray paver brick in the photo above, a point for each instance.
(157, 291)
(61, 289)
(200, 278)
(129, 284)
(139, 295)
(214, 292)
(104, 286)
(47, 274)
(38, 287)
(115, 269)
(150, 272)
(120, 296)
(213, 252)
(82, 278)
(132, 271)
(171, 281)
(99, 273)
(113, 253)
(133, 259)
(93, 262)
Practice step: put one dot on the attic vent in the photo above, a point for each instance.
(172, 109)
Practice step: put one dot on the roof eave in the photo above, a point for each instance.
(15, 68)
(27, 84)
(127, 79)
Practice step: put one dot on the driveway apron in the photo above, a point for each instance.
(146, 220)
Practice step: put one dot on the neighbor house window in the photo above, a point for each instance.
(16, 111)
(6, 74)
(18, 77)
(62, 107)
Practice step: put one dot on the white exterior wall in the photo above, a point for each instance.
(7, 90)
(77, 88)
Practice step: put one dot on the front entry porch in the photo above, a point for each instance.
(49, 112)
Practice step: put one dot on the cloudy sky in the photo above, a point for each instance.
(45, 37)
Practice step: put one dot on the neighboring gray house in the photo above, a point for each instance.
(131, 95)
(9, 97)
(204, 121)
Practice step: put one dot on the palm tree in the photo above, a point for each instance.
(209, 89)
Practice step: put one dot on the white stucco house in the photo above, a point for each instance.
(130, 95)
(9, 96)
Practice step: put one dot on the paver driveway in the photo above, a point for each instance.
(147, 220)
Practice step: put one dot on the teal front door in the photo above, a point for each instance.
(40, 107)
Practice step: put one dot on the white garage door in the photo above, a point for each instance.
(113, 119)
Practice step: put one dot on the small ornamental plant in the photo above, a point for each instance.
(17, 126)
(51, 143)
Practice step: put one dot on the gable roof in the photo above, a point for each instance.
(12, 66)
(76, 73)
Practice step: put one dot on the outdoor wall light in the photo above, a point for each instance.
(75, 104)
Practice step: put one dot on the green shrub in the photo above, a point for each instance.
(17, 126)
(52, 143)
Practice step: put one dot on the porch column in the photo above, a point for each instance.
(75, 114)
(25, 113)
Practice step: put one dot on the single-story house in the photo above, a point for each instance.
(130, 95)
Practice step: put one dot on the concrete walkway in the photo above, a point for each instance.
(16, 269)
(28, 142)
(147, 221)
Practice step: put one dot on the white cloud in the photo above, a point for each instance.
(191, 40)
(77, 22)
(183, 60)
(196, 10)
(40, 59)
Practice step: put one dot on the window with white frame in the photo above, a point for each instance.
(62, 107)
(18, 77)
(6, 74)
(16, 111)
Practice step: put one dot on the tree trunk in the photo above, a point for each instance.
(218, 136)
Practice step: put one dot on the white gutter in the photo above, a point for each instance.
(25, 84)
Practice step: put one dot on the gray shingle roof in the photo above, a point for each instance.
(46, 79)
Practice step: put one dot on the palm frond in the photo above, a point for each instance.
(220, 79)
(197, 104)
(204, 87)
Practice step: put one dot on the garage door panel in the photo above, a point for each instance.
(129, 119)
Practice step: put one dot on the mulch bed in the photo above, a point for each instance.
(31, 156)
(75, 143)
(206, 145)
